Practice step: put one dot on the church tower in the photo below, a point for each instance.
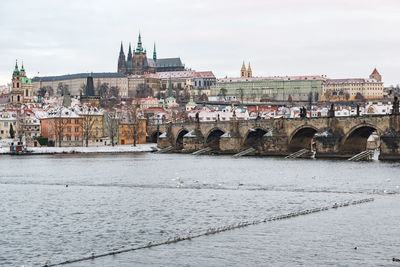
(129, 61)
(121, 61)
(22, 88)
(249, 72)
(139, 59)
(243, 71)
(154, 53)
(375, 75)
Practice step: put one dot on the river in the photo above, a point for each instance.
(60, 207)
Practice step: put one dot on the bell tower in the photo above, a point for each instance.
(243, 71)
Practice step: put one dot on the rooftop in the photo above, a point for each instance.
(78, 76)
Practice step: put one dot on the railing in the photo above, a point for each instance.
(164, 150)
(365, 155)
(298, 154)
(202, 151)
(244, 152)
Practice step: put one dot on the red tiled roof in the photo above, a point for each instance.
(204, 74)
(375, 72)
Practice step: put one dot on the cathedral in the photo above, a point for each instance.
(137, 62)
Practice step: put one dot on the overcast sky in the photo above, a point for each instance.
(338, 38)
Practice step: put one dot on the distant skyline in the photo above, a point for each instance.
(337, 38)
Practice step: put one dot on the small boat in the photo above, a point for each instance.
(17, 148)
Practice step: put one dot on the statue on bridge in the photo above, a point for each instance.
(331, 113)
(303, 112)
(197, 117)
(395, 110)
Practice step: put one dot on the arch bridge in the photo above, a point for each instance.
(329, 137)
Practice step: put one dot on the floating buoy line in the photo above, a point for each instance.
(213, 231)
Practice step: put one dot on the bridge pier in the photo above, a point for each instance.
(327, 145)
(275, 144)
(230, 144)
(390, 146)
(163, 141)
(193, 140)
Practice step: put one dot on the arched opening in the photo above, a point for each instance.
(254, 138)
(179, 139)
(359, 140)
(302, 139)
(213, 139)
(154, 136)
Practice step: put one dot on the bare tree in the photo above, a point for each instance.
(132, 120)
(46, 89)
(87, 128)
(62, 89)
(111, 123)
(58, 126)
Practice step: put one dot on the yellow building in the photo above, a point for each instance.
(6, 120)
(353, 89)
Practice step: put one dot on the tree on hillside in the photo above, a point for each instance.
(62, 89)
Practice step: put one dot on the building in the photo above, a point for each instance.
(92, 125)
(353, 89)
(7, 119)
(145, 103)
(265, 89)
(62, 127)
(131, 129)
(22, 89)
(76, 83)
(29, 127)
(143, 85)
(246, 73)
(137, 62)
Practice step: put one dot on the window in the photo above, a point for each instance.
(26, 93)
(76, 121)
(69, 121)
(68, 138)
(6, 124)
(76, 138)
(76, 129)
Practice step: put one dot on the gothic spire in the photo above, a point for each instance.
(121, 51)
(154, 52)
(130, 52)
(139, 47)
(16, 70)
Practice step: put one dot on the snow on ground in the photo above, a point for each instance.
(99, 149)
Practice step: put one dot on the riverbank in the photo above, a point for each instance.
(103, 149)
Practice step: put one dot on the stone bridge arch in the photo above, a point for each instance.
(254, 137)
(212, 138)
(154, 136)
(179, 138)
(301, 138)
(355, 140)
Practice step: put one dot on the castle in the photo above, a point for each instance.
(137, 63)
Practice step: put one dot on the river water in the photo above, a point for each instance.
(120, 201)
